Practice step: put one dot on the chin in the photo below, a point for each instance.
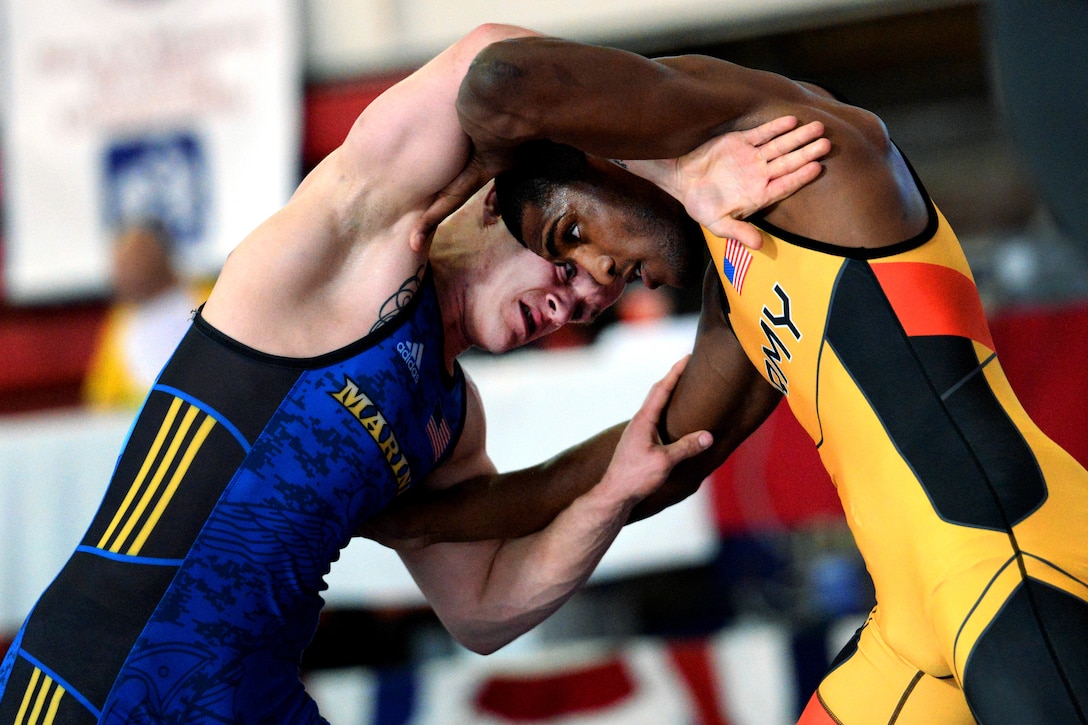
(498, 345)
(691, 275)
(691, 263)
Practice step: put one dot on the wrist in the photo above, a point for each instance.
(613, 496)
(663, 173)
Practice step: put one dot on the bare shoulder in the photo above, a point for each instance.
(294, 286)
(410, 138)
(867, 195)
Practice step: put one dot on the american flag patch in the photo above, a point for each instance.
(438, 431)
(735, 263)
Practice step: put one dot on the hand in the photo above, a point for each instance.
(641, 462)
(482, 167)
(736, 174)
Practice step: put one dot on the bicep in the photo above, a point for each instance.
(720, 390)
(605, 101)
(410, 137)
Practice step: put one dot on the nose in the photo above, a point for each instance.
(591, 298)
(600, 266)
(559, 308)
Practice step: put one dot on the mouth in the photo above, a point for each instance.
(647, 277)
(530, 321)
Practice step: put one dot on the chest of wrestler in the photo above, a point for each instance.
(256, 470)
(354, 429)
(865, 350)
(241, 479)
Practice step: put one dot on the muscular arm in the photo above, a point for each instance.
(719, 391)
(616, 104)
(290, 288)
(496, 505)
(605, 101)
(489, 592)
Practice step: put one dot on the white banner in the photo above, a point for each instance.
(183, 110)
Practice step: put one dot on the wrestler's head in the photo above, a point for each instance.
(565, 205)
(498, 295)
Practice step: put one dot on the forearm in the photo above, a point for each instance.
(489, 594)
(663, 173)
(497, 506)
(604, 101)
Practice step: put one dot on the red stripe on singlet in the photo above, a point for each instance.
(815, 714)
(930, 299)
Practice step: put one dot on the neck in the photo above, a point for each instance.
(449, 287)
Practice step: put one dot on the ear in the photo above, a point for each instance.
(491, 205)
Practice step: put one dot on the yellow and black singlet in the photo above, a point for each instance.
(970, 520)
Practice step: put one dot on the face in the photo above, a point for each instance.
(513, 296)
(621, 228)
(141, 265)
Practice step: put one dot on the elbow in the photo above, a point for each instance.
(481, 646)
(491, 101)
(486, 629)
(487, 33)
(481, 640)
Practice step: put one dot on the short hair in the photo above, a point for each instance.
(539, 167)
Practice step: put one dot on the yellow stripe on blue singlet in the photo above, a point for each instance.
(143, 490)
(39, 696)
(175, 480)
(152, 454)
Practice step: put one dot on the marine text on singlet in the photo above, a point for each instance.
(366, 412)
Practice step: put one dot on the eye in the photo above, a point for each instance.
(568, 270)
(575, 232)
(637, 271)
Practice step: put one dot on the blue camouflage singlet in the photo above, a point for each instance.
(197, 586)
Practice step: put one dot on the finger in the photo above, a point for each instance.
(448, 200)
(443, 205)
(797, 159)
(765, 132)
(687, 446)
(729, 228)
(788, 142)
(781, 187)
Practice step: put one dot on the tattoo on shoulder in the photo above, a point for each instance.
(400, 299)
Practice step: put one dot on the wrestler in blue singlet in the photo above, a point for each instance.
(197, 587)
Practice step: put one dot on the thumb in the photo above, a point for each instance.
(446, 201)
(729, 228)
(688, 446)
(444, 204)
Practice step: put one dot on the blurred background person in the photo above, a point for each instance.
(151, 309)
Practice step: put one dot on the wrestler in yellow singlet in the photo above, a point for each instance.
(971, 521)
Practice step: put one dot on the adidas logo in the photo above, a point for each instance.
(412, 353)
